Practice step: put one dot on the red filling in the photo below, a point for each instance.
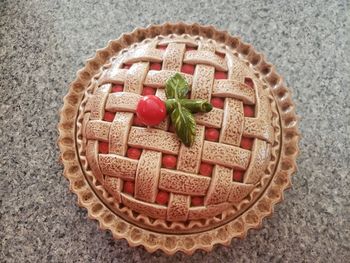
(188, 48)
(133, 153)
(248, 111)
(117, 88)
(148, 91)
(103, 147)
(247, 143)
(222, 55)
(137, 121)
(238, 175)
(129, 187)
(220, 75)
(127, 66)
(169, 161)
(197, 201)
(172, 128)
(187, 68)
(162, 47)
(217, 103)
(249, 82)
(162, 198)
(109, 116)
(205, 169)
(155, 66)
(212, 134)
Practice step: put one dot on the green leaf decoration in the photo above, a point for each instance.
(181, 109)
(185, 125)
(176, 87)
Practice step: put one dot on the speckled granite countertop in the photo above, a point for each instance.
(43, 44)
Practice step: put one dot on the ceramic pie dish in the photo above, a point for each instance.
(144, 183)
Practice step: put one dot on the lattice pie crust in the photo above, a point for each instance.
(244, 156)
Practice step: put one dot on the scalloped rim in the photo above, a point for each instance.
(187, 243)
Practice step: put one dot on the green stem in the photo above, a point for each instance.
(170, 105)
(196, 105)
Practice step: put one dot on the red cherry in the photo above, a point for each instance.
(117, 88)
(148, 91)
(137, 122)
(212, 134)
(128, 187)
(205, 169)
(248, 111)
(238, 175)
(247, 143)
(169, 161)
(133, 153)
(162, 197)
(217, 103)
(249, 82)
(103, 147)
(162, 47)
(156, 66)
(197, 201)
(187, 68)
(127, 66)
(151, 110)
(109, 116)
(220, 75)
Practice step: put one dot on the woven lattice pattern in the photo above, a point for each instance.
(232, 145)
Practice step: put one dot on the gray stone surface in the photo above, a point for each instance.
(43, 44)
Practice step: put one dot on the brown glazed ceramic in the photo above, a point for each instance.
(222, 185)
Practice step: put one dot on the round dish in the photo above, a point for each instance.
(248, 142)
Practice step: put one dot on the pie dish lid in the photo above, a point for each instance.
(257, 138)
